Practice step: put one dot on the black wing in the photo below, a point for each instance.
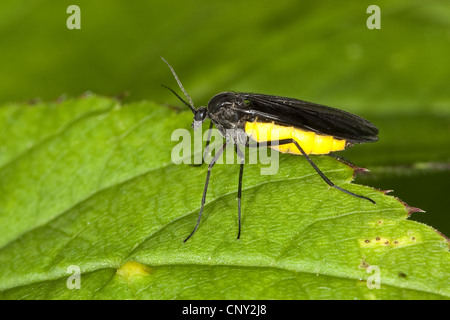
(309, 116)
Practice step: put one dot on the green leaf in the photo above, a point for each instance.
(93, 186)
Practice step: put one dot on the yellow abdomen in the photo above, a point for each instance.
(309, 141)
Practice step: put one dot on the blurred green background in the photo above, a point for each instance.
(321, 51)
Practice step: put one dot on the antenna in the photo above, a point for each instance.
(181, 99)
(191, 105)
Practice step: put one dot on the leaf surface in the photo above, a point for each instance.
(97, 189)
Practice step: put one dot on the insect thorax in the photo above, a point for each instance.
(225, 111)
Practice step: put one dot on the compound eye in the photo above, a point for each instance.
(200, 114)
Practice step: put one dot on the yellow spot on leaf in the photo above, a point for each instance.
(363, 264)
(132, 270)
(380, 241)
(370, 296)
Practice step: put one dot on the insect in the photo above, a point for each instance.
(301, 128)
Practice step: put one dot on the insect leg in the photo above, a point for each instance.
(241, 171)
(321, 174)
(205, 151)
(217, 155)
(208, 141)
